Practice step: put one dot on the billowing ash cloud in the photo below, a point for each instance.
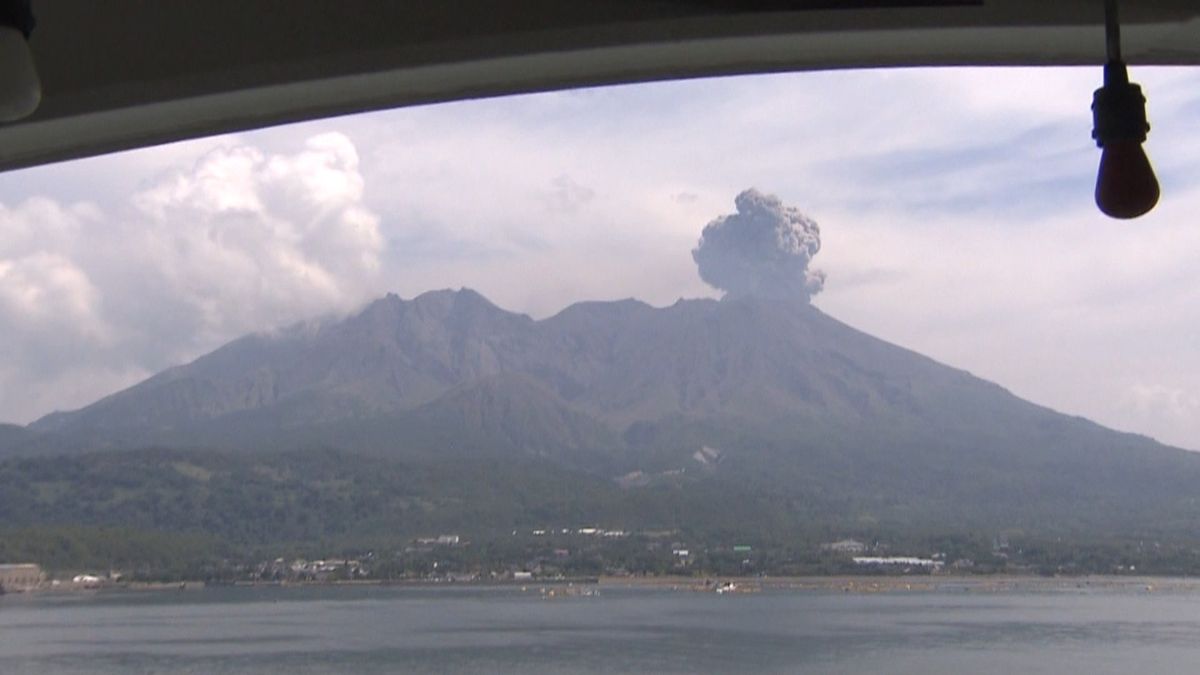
(763, 249)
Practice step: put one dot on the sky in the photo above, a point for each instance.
(954, 206)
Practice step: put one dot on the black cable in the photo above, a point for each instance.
(1112, 31)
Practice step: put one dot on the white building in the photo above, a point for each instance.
(899, 561)
(20, 577)
(845, 546)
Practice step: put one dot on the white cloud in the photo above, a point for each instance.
(249, 239)
(240, 240)
(49, 292)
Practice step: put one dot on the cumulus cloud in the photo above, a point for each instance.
(763, 249)
(50, 308)
(244, 239)
(50, 292)
(240, 240)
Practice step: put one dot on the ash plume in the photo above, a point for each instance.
(764, 249)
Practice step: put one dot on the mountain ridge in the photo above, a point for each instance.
(816, 418)
(600, 358)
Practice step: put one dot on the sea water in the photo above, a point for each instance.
(508, 629)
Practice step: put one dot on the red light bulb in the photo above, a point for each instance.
(1126, 186)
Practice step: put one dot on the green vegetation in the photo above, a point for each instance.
(171, 514)
(138, 554)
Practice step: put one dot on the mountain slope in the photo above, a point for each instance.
(620, 362)
(392, 355)
(800, 409)
(12, 434)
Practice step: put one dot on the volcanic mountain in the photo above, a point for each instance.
(616, 372)
(768, 395)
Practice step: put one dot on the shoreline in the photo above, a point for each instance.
(933, 583)
(853, 584)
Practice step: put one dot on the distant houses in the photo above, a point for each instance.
(855, 549)
(585, 531)
(898, 562)
(21, 577)
(320, 570)
(848, 546)
(441, 540)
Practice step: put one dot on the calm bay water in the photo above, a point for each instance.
(501, 629)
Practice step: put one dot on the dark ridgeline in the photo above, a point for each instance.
(761, 408)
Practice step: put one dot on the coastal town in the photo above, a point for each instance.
(560, 554)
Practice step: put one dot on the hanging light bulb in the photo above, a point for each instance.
(1126, 186)
(20, 88)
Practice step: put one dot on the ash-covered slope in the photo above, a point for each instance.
(393, 355)
(453, 359)
(455, 356)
